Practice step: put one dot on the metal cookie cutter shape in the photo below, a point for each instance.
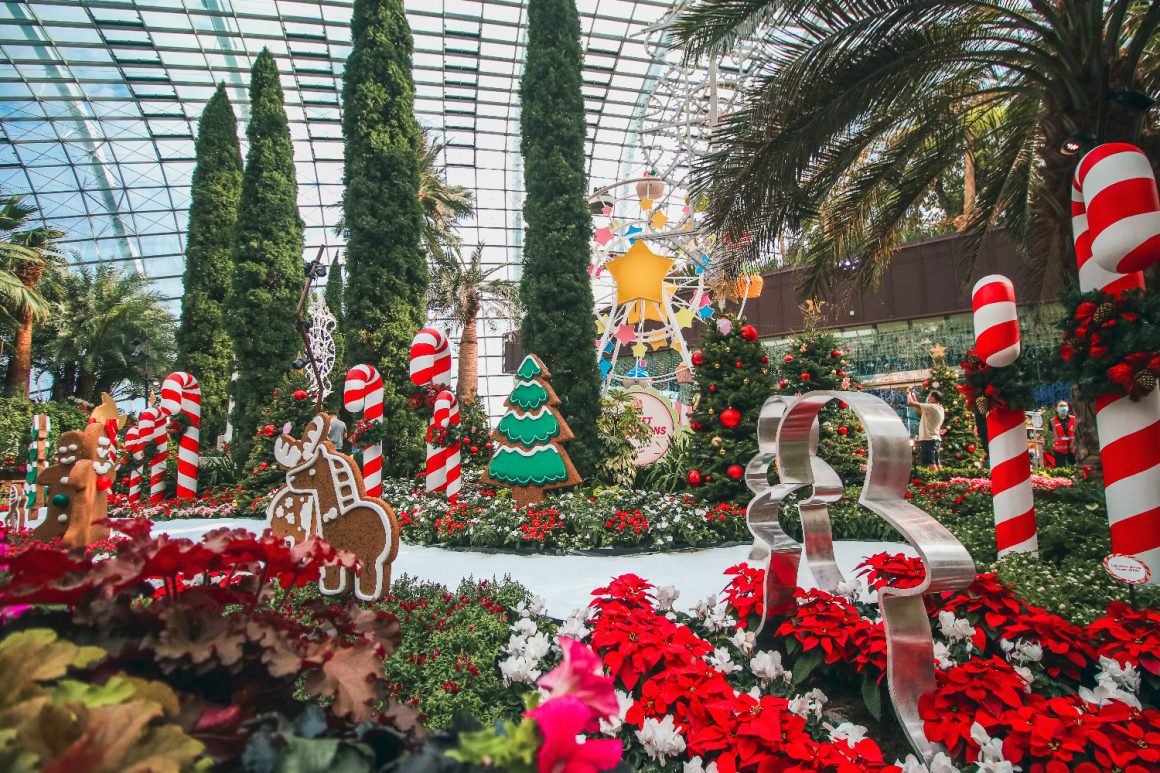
(910, 670)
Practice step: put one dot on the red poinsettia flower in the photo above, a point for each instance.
(896, 571)
(1129, 636)
(561, 720)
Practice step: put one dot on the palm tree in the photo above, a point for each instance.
(88, 345)
(460, 289)
(27, 253)
(444, 205)
(863, 111)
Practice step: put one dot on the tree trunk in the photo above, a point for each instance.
(469, 357)
(86, 384)
(20, 363)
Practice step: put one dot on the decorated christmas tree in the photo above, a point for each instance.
(812, 361)
(732, 379)
(961, 446)
(529, 456)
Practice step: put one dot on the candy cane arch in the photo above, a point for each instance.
(1122, 207)
(443, 467)
(135, 449)
(431, 364)
(181, 395)
(997, 342)
(363, 391)
(152, 428)
(1104, 194)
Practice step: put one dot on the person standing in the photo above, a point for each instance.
(1062, 436)
(930, 420)
(337, 433)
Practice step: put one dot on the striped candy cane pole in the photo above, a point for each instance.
(1122, 207)
(181, 395)
(430, 358)
(444, 464)
(997, 342)
(363, 391)
(153, 424)
(135, 448)
(1129, 431)
(431, 364)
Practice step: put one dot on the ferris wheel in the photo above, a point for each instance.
(652, 258)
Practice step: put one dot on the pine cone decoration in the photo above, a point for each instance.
(983, 404)
(1104, 312)
(1146, 380)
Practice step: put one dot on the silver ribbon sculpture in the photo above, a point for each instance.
(321, 337)
(787, 435)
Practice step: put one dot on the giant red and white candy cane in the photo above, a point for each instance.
(431, 364)
(443, 464)
(997, 342)
(1011, 493)
(181, 395)
(152, 425)
(996, 321)
(135, 449)
(430, 358)
(363, 391)
(1122, 207)
(1129, 431)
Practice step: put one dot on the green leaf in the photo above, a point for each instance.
(805, 665)
(872, 697)
(116, 690)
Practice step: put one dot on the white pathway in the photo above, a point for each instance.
(566, 582)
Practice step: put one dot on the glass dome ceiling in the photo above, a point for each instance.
(99, 102)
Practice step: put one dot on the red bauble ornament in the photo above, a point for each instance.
(695, 426)
(104, 483)
(843, 406)
(475, 449)
(749, 332)
(730, 417)
(805, 377)
(764, 359)
(842, 373)
(781, 384)
(739, 364)
(268, 430)
(487, 446)
(735, 471)
(926, 383)
(958, 456)
(843, 430)
(712, 387)
(694, 478)
(698, 357)
(299, 394)
(970, 449)
(789, 358)
(836, 353)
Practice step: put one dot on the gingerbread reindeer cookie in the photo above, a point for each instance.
(325, 495)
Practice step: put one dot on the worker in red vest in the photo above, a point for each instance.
(1062, 437)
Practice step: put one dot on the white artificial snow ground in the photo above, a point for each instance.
(566, 582)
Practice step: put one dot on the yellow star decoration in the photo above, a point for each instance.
(677, 345)
(648, 310)
(684, 317)
(938, 352)
(638, 350)
(639, 274)
(646, 205)
(658, 342)
(658, 220)
(599, 326)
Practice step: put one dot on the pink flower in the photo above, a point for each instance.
(561, 720)
(582, 675)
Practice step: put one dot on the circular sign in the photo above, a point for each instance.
(1127, 569)
(657, 412)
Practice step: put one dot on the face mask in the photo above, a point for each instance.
(1061, 410)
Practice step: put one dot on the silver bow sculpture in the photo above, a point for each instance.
(787, 435)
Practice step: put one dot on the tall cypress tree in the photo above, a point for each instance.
(268, 268)
(204, 346)
(386, 279)
(334, 302)
(559, 326)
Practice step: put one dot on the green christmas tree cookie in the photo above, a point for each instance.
(529, 456)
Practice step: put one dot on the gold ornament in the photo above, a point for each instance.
(745, 381)
(716, 441)
(717, 366)
(721, 452)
